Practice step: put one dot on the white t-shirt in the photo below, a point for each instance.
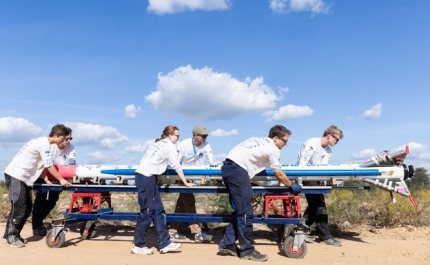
(191, 155)
(25, 164)
(256, 154)
(313, 153)
(64, 157)
(156, 158)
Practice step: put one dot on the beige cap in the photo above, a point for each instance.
(200, 129)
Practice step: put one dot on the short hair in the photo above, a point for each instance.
(279, 131)
(332, 129)
(59, 130)
(166, 132)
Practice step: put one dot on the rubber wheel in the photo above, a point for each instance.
(92, 231)
(58, 242)
(288, 249)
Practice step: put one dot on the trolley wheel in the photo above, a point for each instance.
(59, 240)
(288, 249)
(91, 233)
(280, 237)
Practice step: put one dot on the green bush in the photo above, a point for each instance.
(375, 207)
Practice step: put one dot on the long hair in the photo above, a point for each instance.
(166, 132)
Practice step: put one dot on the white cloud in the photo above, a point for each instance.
(176, 6)
(364, 154)
(96, 135)
(373, 113)
(288, 112)
(99, 157)
(138, 147)
(418, 155)
(220, 157)
(284, 89)
(131, 110)
(414, 148)
(18, 130)
(222, 133)
(206, 95)
(285, 6)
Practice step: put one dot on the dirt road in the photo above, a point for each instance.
(112, 246)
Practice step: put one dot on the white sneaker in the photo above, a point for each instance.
(309, 239)
(141, 251)
(16, 244)
(171, 247)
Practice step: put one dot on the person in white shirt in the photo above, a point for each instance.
(154, 163)
(195, 151)
(20, 175)
(317, 150)
(44, 201)
(242, 163)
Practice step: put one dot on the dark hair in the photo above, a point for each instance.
(59, 130)
(167, 131)
(279, 131)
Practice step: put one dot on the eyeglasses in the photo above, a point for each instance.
(177, 135)
(337, 139)
(68, 139)
(284, 140)
(203, 135)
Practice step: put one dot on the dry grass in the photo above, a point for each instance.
(345, 207)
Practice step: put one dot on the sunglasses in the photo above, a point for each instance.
(68, 139)
(284, 140)
(337, 139)
(203, 135)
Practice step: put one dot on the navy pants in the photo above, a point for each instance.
(316, 212)
(21, 204)
(240, 192)
(44, 202)
(151, 209)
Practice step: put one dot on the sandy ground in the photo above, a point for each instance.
(113, 244)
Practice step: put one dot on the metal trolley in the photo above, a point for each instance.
(87, 200)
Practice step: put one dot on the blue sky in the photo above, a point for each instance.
(118, 72)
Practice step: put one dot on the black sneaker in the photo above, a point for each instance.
(202, 237)
(228, 251)
(40, 231)
(255, 256)
(333, 242)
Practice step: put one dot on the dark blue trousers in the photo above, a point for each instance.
(240, 192)
(151, 209)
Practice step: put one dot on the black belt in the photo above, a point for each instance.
(227, 160)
